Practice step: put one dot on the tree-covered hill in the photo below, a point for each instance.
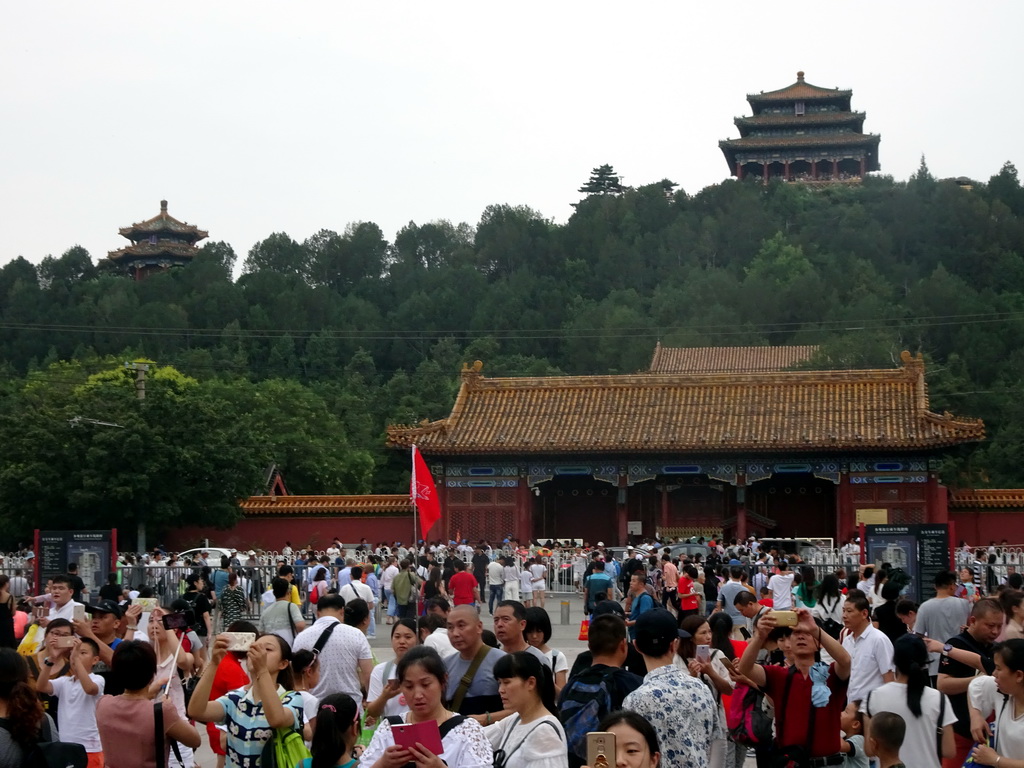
(319, 344)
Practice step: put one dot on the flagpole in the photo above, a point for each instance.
(413, 492)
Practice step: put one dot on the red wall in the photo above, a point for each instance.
(270, 533)
(990, 525)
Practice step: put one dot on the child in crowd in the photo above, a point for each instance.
(765, 600)
(852, 746)
(77, 695)
(526, 587)
(885, 739)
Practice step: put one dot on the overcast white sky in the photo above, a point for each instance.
(256, 117)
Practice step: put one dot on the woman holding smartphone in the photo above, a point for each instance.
(252, 713)
(423, 681)
(706, 664)
(636, 741)
(385, 697)
(532, 737)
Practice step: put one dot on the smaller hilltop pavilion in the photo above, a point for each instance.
(802, 133)
(157, 245)
(708, 440)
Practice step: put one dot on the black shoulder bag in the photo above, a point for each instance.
(158, 727)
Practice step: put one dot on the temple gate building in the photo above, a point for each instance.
(709, 440)
(158, 244)
(802, 132)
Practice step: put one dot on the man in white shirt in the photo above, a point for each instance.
(869, 648)
(19, 584)
(345, 657)
(780, 588)
(386, 577)
(496, 583)
(63, 606)
(437, 627)
(355, 589)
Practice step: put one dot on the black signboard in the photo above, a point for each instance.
(95, 552)
(933, 556)
(920, 550)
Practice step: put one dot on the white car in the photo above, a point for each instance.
(214, 554)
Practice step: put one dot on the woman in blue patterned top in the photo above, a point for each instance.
(254, 712)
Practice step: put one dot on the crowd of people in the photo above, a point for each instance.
(703, 661)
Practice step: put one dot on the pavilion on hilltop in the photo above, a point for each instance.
(706, 441)
(802, 132)
(158, 244)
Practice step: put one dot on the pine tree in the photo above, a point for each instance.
(603, 181)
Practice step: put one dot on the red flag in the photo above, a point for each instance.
(424, 493)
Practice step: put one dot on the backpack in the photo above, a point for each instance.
(52, 754)
(746, 719)
(285, 748)
(900, 578)
(584, 703)
(314, 594)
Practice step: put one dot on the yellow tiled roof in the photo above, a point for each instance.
(372, 504)
(799, 90)
(988, 498)
(723, 359)
(695, 412)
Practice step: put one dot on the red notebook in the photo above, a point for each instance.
(426, 733)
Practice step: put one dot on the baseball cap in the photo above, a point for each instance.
(609, 606)
(600, 543)
(655, 631)
(629, 547)
(105, 606)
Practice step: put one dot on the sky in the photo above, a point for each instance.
(259, 117)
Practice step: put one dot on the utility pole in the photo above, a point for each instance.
(140, 369)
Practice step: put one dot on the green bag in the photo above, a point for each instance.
(285, 749)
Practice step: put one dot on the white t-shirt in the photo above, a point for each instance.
(537, 744)
(76, 715)
(986, 698)
(357, 590)
(870, 657)
(539, 573)
(781, 585)
(310, 706)
(438, 640)
(526, 581)
(557, 661)
(388, 576)
(339, 661)
(397, 705)
(66, 611)
(918, 750)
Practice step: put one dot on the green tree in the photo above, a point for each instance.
(603, 181)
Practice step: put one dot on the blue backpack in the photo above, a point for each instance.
(583, 704)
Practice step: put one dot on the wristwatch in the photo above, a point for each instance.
(48, 662)
(947, 648)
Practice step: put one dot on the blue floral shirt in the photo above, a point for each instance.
(682, 711)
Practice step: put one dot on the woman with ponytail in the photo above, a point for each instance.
(21, 713)
(336, 734)
(924, 709)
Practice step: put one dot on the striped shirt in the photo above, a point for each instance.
(248, 729)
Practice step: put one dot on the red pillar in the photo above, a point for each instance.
(863, 167)
(524, 510)
(622, 510)
(835, 169)
(664, 505)
(739, 170)
(845, 517)
(764, 178)
(814, 170)
(938, 501)
(787, 170)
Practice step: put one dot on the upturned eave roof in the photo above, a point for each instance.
(688, 413)
(813, 119)
(301, 506)
(844, 140)
(799, 91)
(162, 222)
